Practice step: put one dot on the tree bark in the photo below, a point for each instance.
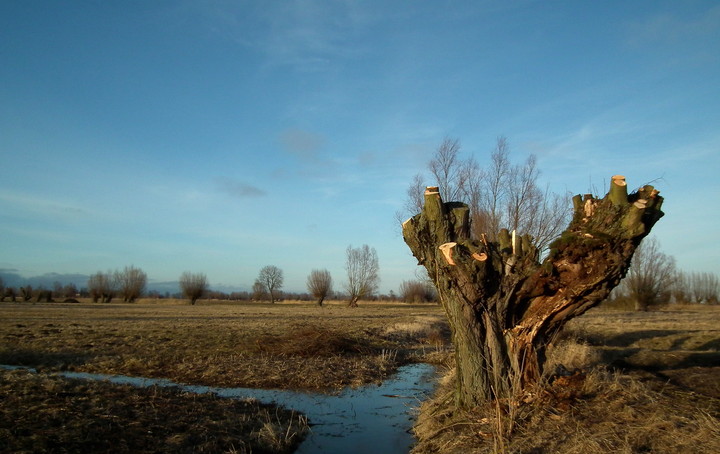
(504, 306)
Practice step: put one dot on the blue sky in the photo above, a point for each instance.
(222, 136)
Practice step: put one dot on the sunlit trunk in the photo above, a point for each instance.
(503, 305)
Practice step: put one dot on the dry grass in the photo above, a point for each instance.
(46, 413)
(255, 345)
(637, 382)
(642, 383)
(287, 345)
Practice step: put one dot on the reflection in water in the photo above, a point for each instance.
(372, 418)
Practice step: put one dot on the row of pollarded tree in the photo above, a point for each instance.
(362, 268)
(653, 280)
(27, 293)
(361, 264)
(130, 283)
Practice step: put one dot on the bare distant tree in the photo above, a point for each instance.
(8, 292)
(446, 167)
(132, 282)
(695, 287)
(495, 189)
(102, 286)
(417, 291)
(501, 196)
(362, 272)
(193, 285)
(70, 290)
(57, 289)
(26, 293)
(259, 291)
(272, 278)
(319, 284)
(651, 275)
(682, 288)
(705, 287)
(43, 294)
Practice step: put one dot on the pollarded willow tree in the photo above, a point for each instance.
(503, 304)
(131, 282)
(362, 268)
(319, 284)
(193, 286)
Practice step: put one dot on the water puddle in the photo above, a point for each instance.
(371, 418)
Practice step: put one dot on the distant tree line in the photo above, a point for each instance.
(653, 279)
(130, 284)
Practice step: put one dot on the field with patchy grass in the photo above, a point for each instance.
(288, 346)
(617, 381)
(620, 382)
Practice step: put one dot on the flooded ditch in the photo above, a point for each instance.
(372, 418)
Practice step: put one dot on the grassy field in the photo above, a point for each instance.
(287, 345)
(618, 382)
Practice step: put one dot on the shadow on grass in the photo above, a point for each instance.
(313, 341)
(629, 338)
(712, 345)
(56, 360)
(652, 361)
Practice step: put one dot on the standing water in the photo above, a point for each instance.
(371, 418)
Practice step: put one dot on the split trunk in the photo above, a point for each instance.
(504, 305)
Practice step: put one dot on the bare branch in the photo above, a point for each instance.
(271, 277)
(193, 285)
(362, 272)
(319, 284)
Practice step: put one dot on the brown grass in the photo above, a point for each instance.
(287, 345)
(255, 345)
(46, 413)
(642, 383)
(631, 382)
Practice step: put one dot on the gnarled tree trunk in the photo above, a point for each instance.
(503, 304)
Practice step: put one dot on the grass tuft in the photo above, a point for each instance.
(617, 382)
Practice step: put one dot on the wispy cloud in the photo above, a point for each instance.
(667, 28)
(301, 143)
(238, 189)
(307, 35)
(43, 206)
(681, 39)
